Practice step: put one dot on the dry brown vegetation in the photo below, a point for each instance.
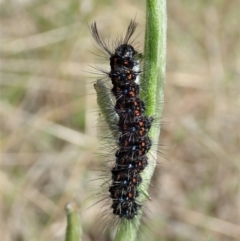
(49, 119)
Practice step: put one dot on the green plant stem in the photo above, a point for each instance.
(74, 229)
(105, 103)
(153, 94)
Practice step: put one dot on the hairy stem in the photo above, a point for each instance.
(74, 229)
(152, 85)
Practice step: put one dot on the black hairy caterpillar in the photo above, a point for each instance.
(133, 125)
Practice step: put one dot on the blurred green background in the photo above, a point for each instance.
(49, 118)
